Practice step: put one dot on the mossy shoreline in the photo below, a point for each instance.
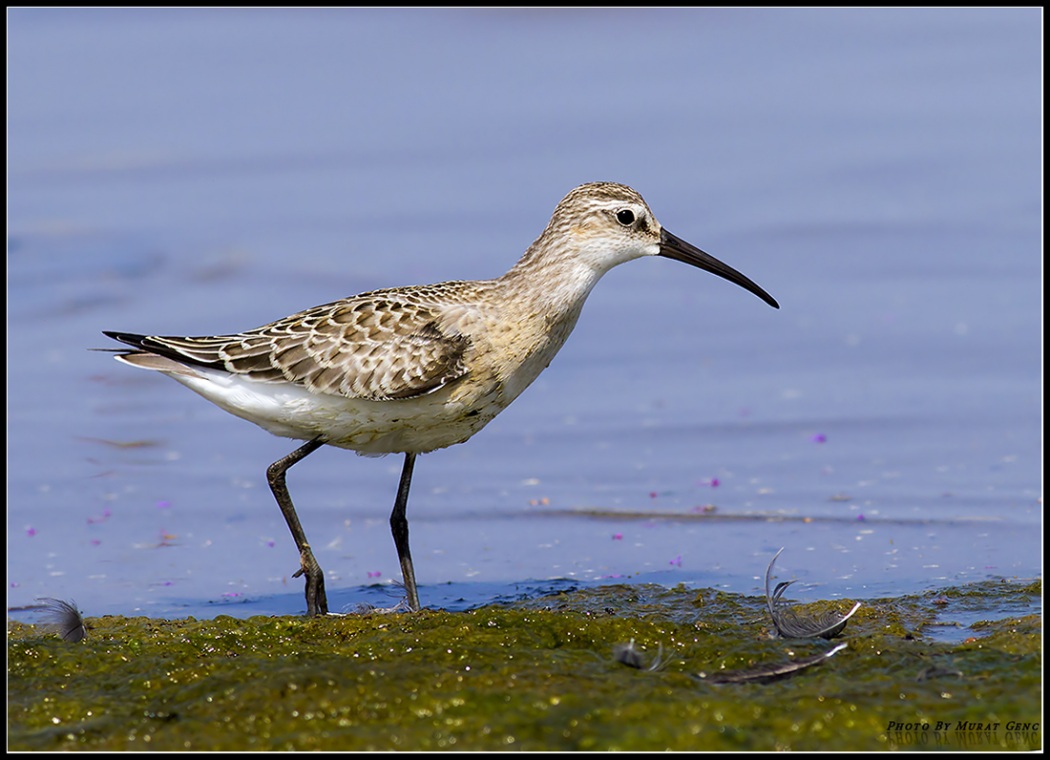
(540, 675)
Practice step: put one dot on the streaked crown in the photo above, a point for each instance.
(602, 224)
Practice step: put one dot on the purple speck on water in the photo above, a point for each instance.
(617, 536)
(106, 514)
(819, 438)
(374, 573)
(677, 561)
(163, 504)
(30, 531)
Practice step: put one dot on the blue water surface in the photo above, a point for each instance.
(204, 171)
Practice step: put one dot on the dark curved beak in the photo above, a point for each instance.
(675, 248)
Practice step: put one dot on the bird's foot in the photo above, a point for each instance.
(316, 601)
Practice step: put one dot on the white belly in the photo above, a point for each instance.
(415, 425)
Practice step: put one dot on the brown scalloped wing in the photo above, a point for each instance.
(377, 346)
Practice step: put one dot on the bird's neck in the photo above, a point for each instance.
(552, 281)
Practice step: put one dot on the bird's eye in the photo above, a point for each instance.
(625, 217)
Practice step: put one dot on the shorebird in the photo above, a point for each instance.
(413, 369)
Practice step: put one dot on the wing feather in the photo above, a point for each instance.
(379, 346)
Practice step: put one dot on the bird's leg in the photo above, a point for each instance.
(316, 601)
(399, 527)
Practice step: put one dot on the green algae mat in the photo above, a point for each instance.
(542, 675)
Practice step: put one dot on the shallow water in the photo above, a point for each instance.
(877, 171)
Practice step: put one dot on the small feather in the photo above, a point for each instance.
(791, 624)
(627, 654)
(771, 672)
(64, 619)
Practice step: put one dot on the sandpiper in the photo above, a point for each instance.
(413, 369)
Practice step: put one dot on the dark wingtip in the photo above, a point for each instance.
(151, 345)
(132, 339)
